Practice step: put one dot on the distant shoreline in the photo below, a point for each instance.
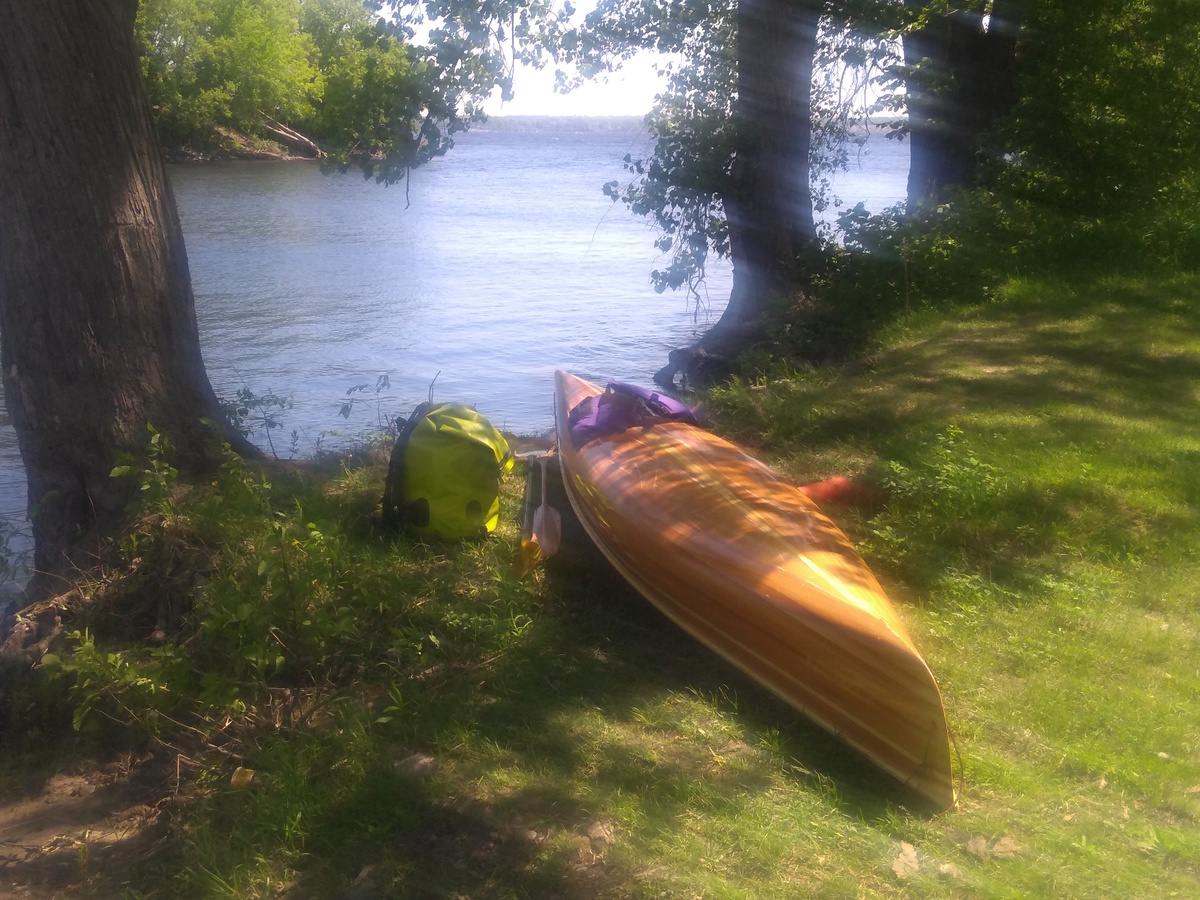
(561, 124)
(238, 147)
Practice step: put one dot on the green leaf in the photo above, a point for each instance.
(120, 471)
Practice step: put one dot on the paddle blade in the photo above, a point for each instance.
(547, 529)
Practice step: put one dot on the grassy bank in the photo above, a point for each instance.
(421, 723)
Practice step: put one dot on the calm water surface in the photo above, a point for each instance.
(504, 262)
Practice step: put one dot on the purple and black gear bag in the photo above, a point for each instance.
(623, 406)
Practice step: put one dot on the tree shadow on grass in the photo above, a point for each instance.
(1124, 350)
(555, 732)
(628, 655)
(610, 656)
(1104, 390)
(391, 835)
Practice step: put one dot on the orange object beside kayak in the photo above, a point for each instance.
(747, 564)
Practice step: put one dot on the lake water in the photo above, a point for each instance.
(504, 262)
(507, 263)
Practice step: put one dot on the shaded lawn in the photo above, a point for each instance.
(476, 736)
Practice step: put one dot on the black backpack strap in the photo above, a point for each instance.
(394, 504)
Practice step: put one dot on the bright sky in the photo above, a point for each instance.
(627, 92)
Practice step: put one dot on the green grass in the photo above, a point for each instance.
(1043, 463)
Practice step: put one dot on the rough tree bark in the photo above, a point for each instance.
(769, 208)
(98, 333)
(963, 82)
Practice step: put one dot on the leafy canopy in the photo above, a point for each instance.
(226, 63)
(1109, 114)
(349, 74)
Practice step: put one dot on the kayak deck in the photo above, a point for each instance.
(747, 564)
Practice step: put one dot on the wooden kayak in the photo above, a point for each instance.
(743, 561)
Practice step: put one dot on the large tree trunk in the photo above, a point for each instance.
(769, 208)
(962, 81)
(98, 332)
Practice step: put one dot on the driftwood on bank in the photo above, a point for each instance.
(300, 143)
(36, 628)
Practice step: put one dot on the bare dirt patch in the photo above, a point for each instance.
(83, 834)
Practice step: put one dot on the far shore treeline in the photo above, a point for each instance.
(573, 124)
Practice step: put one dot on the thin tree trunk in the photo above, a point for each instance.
(963, 82)
(769, 208)
(98, 334)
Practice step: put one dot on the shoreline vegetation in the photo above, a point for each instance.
(227, 144)
(293, 702)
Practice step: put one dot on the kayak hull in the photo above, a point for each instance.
(746, 563)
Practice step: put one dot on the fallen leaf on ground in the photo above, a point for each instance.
(978, 846)
(906, 863)
(600, 833)
(417, 766)
(1005, 848)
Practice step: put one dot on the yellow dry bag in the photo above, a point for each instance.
(444, 478)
